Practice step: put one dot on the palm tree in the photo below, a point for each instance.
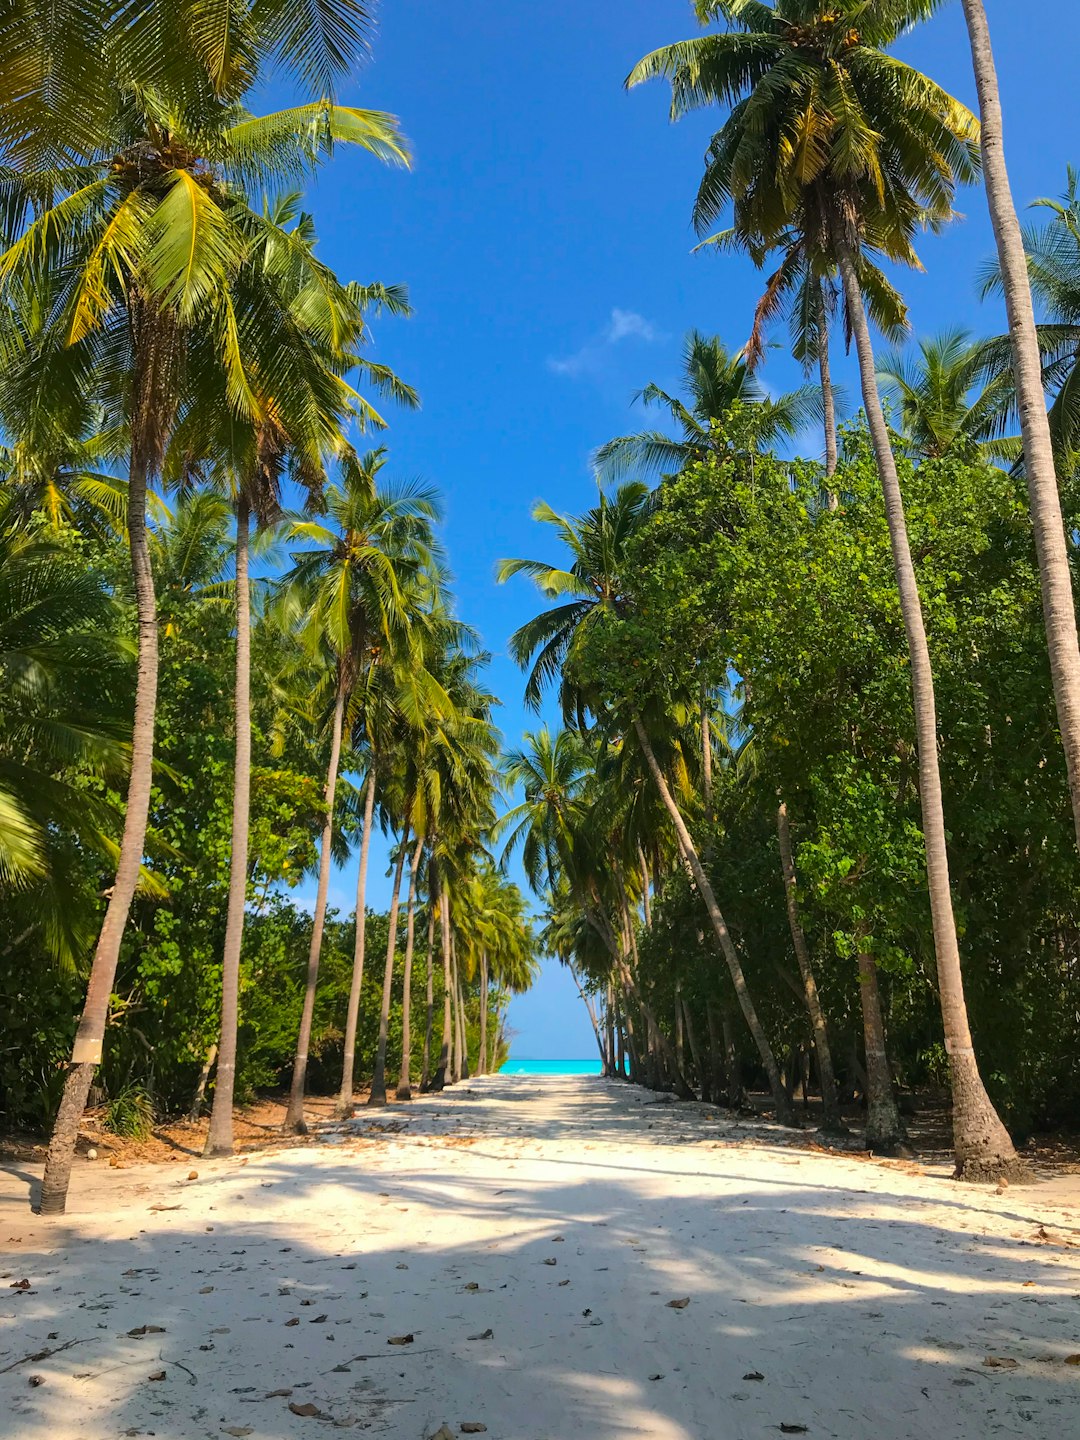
(319, 322)
(353, 582)
(64, 670)
(591, 586)
(1059, 611)
(143, 252)
(716, 381)
(864, 150)
(61, 68)
(936, 408)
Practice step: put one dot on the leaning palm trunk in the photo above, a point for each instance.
(727, 946)
(219, 1138)
(86, 1052)
(294, 1115)
(981, 1144)
(830, 1103)
(1059, 613)
(481, 1059)
(378, 1079)
(404, 1085)
(884, 1128)
(345, 1094)
(429, 1016)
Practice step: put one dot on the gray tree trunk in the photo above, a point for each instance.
(981, 1144)
(830, 1103)
(219, 1138)
(344, 1106)
(294, 1115)
(1059, 612)
(404, 1085)
(727, 946)
(429, 1019)
(884, 1128)
(378, 1079)
(90, 1036)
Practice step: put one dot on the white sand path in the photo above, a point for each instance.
(529, 1234)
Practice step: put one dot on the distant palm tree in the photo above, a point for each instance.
(937, 410)
(352, 584)
(591, 585)
(715, 381)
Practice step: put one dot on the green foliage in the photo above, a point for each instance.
(130, 1113)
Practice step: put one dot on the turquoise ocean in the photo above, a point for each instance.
(514, 1066)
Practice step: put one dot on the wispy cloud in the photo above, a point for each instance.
(592, 359)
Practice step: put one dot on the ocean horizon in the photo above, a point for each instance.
(527, 1066)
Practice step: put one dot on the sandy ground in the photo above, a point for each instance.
(524, 1240)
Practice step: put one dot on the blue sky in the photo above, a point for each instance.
(544, 232)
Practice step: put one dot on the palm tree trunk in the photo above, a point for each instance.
(1059, 613)
(884, 1128)
(829, 1102)
(981, 1144)
(199, 1098)
(646, 898)
(727, 946)
(481, 1059)
(344, 1105)
(219, 1138)
(90, 1036)
(609, 1057)
(706, 753)
(828, 401)
(404, 1085)
(695, 1053)
(462, 1072)
(439, 1082)
(429, 1019)
(294, 1114)
(378, 1079)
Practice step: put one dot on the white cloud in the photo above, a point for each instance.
(624, 323)
(593, 356)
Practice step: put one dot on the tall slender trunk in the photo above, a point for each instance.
(695, 1053)
(830, 1103)
(219, 1138)
(344, 1105)
(481, 1059)
(981, 1144)
(609, 1036)
(646, 897)
(198, 1100)
(90, 1036)
(884, 1128)
(294, 1114)
(828, 400)
(440, 1079)
(462, 1070)
(717, 1068)
(1059, 612)
(732, 1065)
(429, 1017)
(620, 1066)
(727, 946)
(404, 1085)
(378, 1079)
(706, 752)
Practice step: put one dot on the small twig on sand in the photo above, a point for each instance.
(193, 1378)
(44, 1354)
